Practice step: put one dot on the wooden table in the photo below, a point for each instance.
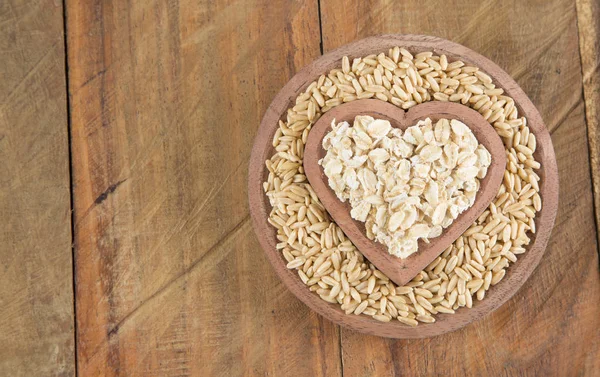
(125, 242)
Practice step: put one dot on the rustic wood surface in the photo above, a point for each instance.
(36, 283)
(165, 99)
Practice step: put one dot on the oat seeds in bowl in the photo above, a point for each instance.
(318, 250)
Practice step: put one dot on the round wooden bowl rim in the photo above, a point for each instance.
(516, 274)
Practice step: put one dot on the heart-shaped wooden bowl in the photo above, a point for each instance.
(401, 271)
(516, 274)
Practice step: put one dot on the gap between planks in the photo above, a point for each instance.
(71, 183)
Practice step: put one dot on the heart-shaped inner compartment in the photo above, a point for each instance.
(405, 185)
(397, 269)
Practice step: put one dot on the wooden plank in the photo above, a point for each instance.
(166, 98)
(556, 310)
(36, 282)
(588, 22)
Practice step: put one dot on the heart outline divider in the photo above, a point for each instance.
(401, 271)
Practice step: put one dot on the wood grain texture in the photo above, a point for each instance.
(166, 99)
(588, 22)
(402, 270)
(36, 284)
(556, 310)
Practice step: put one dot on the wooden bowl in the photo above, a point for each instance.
(401, 271)
(515, 274)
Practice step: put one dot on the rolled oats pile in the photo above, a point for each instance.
(407, 185)
(329, 264)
